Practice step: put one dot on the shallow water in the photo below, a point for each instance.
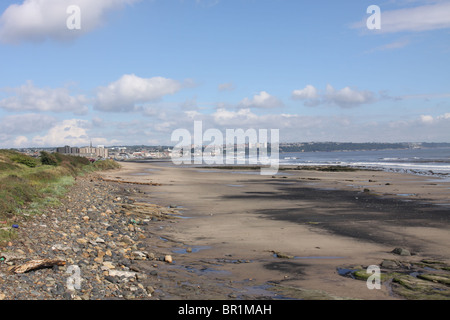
(193, 249)
(320, 257)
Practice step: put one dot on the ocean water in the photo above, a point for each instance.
(434, 161)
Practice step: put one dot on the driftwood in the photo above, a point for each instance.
(131, 182)
(37, 264)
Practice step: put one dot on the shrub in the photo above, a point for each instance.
(48, 159)
(15, 192)
(26, 160)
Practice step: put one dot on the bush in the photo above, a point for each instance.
(106, 165)
(48, 159)
(26, 160)
(14, 193)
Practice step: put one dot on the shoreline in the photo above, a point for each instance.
(158, 232)
(310, 216)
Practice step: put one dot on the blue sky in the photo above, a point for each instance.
(136, 70)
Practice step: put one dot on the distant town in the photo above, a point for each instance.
(132, 153)
(100, 152)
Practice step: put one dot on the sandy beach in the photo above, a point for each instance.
(246, 236)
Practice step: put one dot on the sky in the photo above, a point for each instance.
(131, 72)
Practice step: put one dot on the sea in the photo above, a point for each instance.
(432, 161)
(421, 161)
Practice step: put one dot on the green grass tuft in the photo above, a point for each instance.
(30, 185)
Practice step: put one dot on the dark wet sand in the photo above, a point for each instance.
(234, 222)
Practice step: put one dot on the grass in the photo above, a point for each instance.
(27, 186)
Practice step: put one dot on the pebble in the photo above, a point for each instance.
(93, 234)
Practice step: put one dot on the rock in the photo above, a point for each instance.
(438, 278)
(150, 290)
(111, 279)
(99, 240)
(401, 252)
(108, 265)
(120, 274)
(12, 256)
(168, 258)
(139, 255)
(389, 264)
(283, 255)
(82, 241)
(414, 288)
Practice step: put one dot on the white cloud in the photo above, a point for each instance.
(30, 98)
(427, 119)
(309, 92)
(39, 20)
(347, 97)
(20, 141)
(72, 132)
(69, 132)
(263, 100)
(130, 90)
(25, 123)
(420, 18)
(344, 98)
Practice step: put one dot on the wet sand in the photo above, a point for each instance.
(234, 221)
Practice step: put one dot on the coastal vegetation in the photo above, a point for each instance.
(28, 185)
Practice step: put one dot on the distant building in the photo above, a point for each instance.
(68, 150)
(87, 152)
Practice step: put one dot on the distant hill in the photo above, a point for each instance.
(338, 146)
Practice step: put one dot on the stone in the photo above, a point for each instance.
(389, 264)
(283, 255)
(401, 252)
(120, 274)
(108, 265)
(168, 258)
(111, 279)
(139, 255)
(150, 290)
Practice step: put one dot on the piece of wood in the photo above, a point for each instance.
(132, 182)
(37, 264)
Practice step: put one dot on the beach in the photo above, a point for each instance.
(155, 231)
(241, 235)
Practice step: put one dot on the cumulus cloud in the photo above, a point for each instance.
(130, 90)
(68, 132)
(427, 17)
(309, 94)
(39, 20)
(344, 98)
(263, 100)
(347, 97)
(28, 97)
(428, 119)
(72, 132)
(26, 123)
